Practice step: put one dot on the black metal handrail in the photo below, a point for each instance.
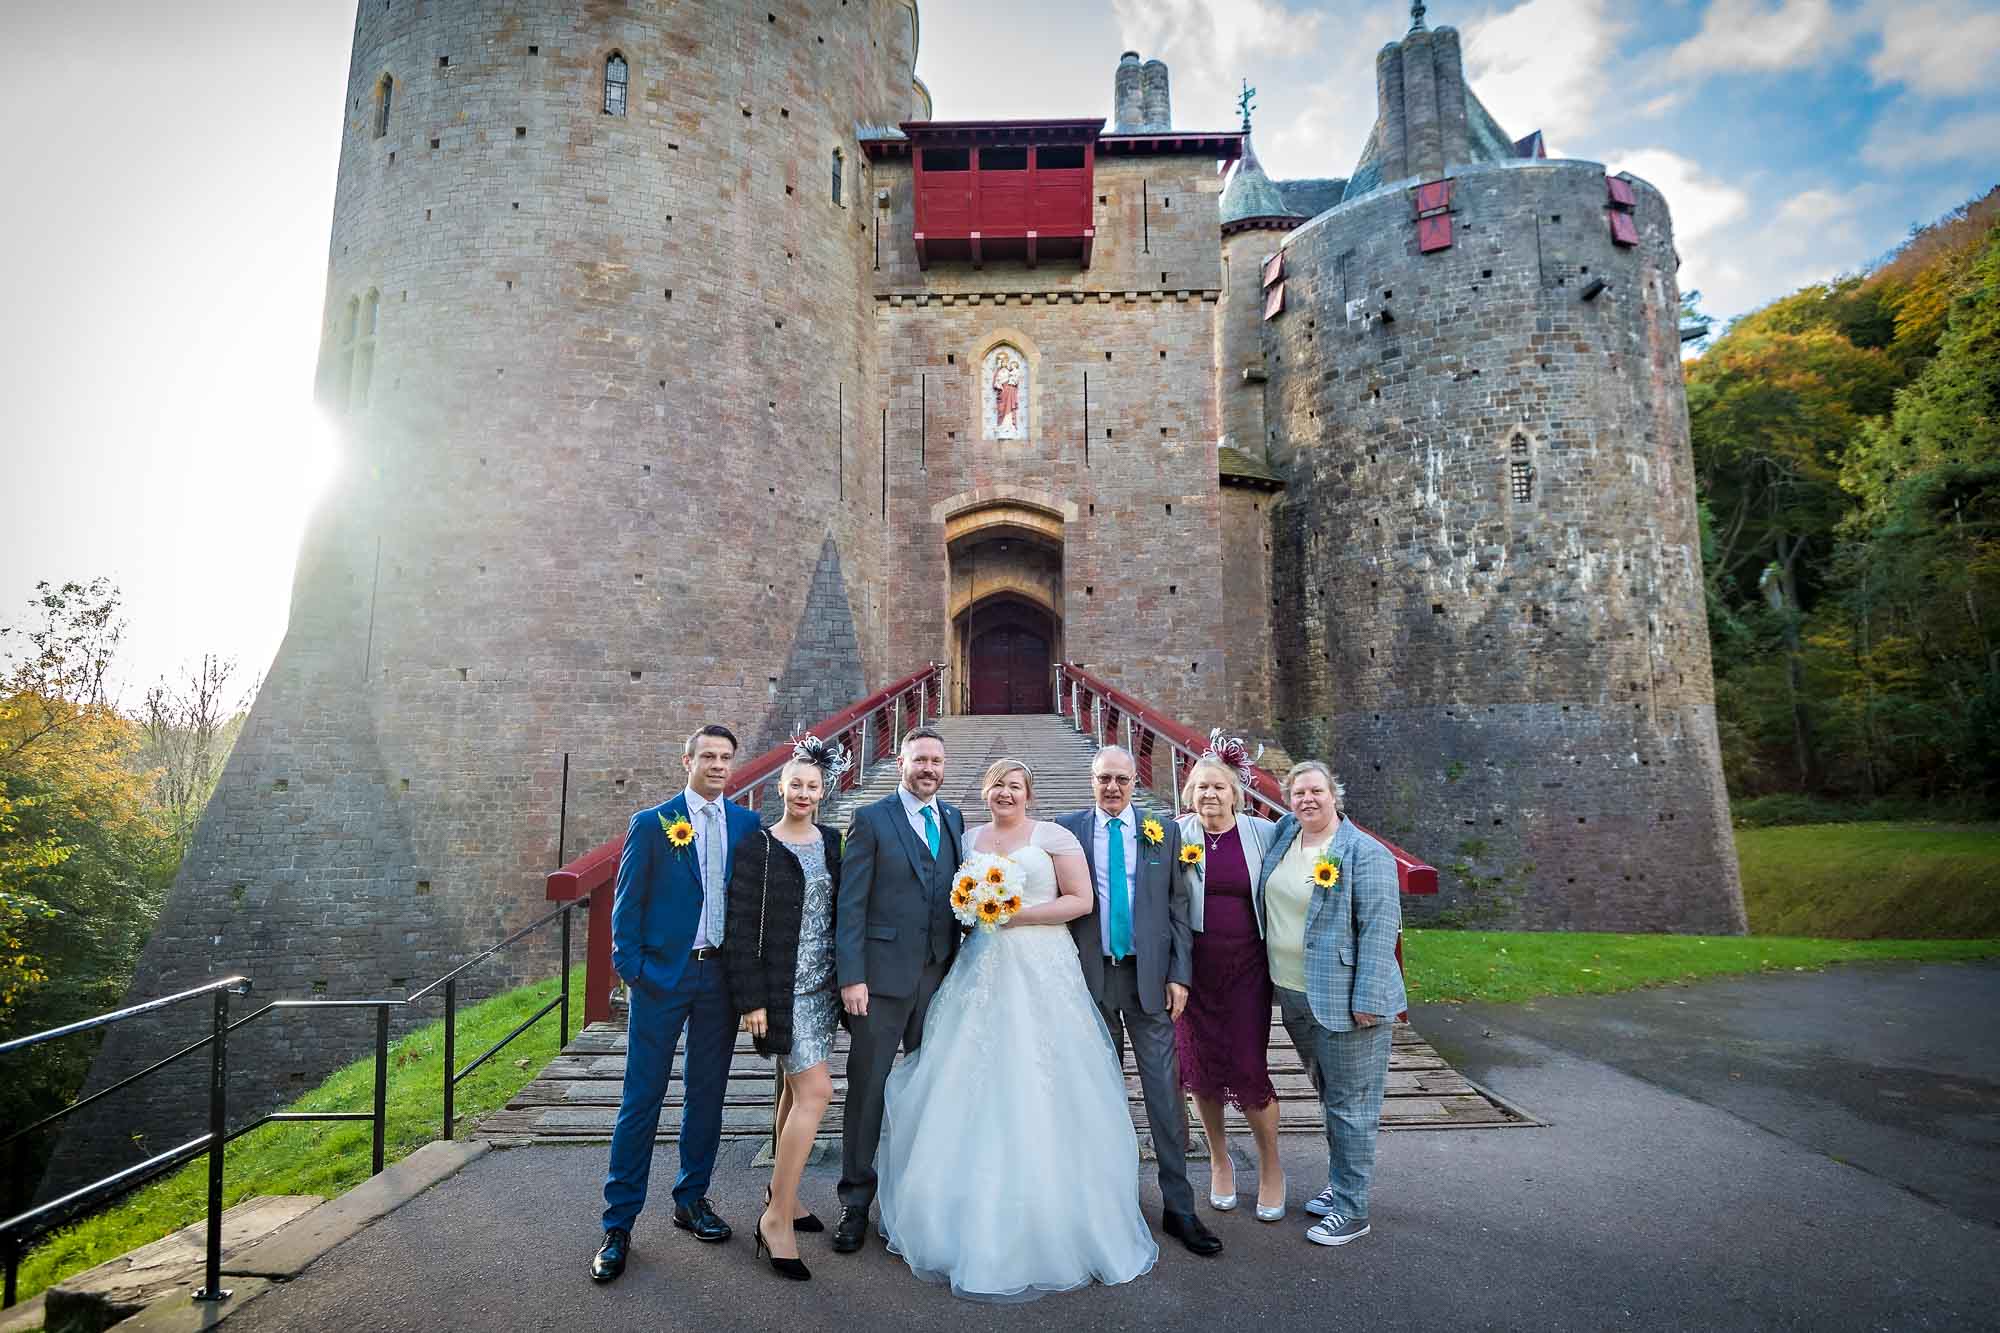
(17, 1232)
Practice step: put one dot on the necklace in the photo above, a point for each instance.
(1214, 839)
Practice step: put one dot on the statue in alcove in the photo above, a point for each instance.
(1005, 381)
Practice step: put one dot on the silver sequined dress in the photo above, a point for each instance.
(815, 999)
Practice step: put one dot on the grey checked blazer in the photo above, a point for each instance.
(1351, 929)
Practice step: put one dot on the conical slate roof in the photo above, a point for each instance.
(1250, 193)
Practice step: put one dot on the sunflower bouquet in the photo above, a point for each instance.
(986, 891)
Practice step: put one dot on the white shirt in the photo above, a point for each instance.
(913, 810)
(697, 816)
(1100, 862)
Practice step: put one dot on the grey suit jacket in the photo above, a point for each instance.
(888, 911)
(1162, 939)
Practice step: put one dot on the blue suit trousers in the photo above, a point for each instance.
(699, 1003)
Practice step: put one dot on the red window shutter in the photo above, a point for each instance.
(1274, 300)
(1620, 191)
(1433, 196)
(1434, 233)
(1274, 267)
(1624, 231)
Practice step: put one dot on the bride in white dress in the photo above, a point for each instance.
(1008, 1165)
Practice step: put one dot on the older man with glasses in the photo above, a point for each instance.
(1137, 951)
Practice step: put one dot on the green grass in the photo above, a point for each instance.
(1872, 881)
(328, 1158)
(1505, 966)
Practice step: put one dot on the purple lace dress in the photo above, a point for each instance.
(1225, 1029)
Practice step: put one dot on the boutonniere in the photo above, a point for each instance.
(1154, 833)
(680, 833)
(1326, 871)
(1190, 853)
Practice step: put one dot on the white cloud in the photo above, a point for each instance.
(1935, 47)
(1210, 45)
(1700, 203)
(1665, 102)
(1739, 35)
(1544, 64)
(1904, 137)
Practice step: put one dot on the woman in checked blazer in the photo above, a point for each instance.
(1326, 899)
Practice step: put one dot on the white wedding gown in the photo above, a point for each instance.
(1008, 1164)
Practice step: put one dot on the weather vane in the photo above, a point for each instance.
(1417, 17)
(1245, 103)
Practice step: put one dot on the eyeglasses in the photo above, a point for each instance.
(1111, 779)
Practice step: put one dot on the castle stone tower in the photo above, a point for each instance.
(1488, 600)
(596, 336)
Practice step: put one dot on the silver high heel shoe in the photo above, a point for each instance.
(1222, 1203)
(1276, 1212)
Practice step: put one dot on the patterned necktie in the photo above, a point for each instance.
(711, 873)
(1120, 893)
(930, 830)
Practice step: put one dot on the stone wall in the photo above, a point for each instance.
(1141, 542)
(1515, 686)
(614, 475)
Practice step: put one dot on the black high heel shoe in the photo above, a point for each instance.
(791, 1268)
(808, 1223)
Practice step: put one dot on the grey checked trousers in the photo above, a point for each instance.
(1350, 1071)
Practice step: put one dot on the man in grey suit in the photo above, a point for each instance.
(894, 936)
(1137, 952)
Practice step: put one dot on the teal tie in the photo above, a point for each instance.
(930, 830)
(1120, 893)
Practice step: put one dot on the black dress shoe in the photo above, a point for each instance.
(1188, 1230)
(609, 1261)
(850, 1233)
(699, 1217)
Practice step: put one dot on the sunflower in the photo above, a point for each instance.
(1326, 873)
(996, 875)
(1190, 853)
(961, 895)
(680, 833)
(1013, 904)
(1154, 833)
(966, 884)
(989, 910)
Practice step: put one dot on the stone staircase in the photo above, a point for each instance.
(1056, 752)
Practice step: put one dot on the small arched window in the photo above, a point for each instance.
(839, 161)
(385, 94)
(343, 355)
(616, 78)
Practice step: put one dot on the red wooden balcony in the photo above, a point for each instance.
(1004, 190)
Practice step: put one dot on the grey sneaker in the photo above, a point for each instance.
(1333, 1229)
(1321, 1203)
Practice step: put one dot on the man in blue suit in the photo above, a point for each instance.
(666, 932)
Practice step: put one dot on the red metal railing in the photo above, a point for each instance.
(871, 728)
(1113, 718)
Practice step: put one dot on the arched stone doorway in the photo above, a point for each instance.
(1006, 605)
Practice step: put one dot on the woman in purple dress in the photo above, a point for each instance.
(1225, 1030)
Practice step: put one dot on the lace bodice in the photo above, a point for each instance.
(1038, 869)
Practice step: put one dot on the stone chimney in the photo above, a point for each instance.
(1129, 98)
(1158, 105)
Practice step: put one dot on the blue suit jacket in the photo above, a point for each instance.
(657, 905)
(1351, 930)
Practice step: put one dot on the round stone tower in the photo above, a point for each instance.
(597, 336)
(1488, 599)
(1254, 219)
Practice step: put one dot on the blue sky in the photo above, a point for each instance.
(169, 189)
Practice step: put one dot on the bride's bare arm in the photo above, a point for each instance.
(1074, 896)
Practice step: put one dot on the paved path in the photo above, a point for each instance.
(1666, 1193)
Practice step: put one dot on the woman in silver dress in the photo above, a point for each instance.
(778, 953)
